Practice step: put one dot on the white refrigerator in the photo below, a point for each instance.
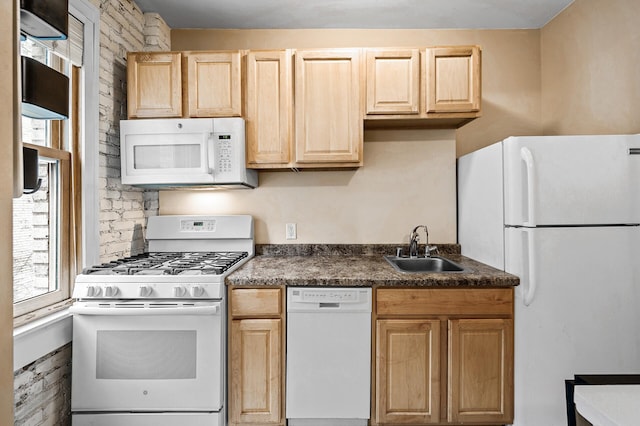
(563, 214)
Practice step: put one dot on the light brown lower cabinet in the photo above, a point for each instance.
(443, 357)
(408, 371)
(256, 357)
(480, 371)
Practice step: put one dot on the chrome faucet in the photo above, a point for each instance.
(414, 238)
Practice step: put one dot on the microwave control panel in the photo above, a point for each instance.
(224, 159)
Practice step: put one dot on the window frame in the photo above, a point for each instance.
(68, 145)
(28, 309)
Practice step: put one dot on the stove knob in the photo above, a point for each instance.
(179, 291)
(197, 291)
(111, 291)
(145, 291)
(93, 291)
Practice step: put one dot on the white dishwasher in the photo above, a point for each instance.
(328, 356)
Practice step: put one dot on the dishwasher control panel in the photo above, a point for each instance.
(325, 295)
(328, 298)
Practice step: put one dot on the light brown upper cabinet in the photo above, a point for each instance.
(312, 122)
(452, 79)
(328, 108)
(269, 108)
(393, 81)
(154, 84)
(427, 87)
(213, 84)
(184, 84)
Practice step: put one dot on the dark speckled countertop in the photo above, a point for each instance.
(357, 265)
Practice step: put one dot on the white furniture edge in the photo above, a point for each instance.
(608, 405)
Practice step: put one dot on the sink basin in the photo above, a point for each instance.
(423, 264)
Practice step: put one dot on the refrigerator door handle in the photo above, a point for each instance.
(527, 157)
(529, 288)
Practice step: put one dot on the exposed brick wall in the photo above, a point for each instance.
(123, 209)
(157, 34)
(42, 390)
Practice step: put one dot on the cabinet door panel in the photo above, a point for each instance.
(393, 81)
(480, 371)
(154, 85)
(213, 84)
(407, 371)
(255, 371)
(329, 119)
(452, 79)
(268, 108)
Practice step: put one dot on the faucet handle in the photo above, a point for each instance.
(399, 251)
(428, 249)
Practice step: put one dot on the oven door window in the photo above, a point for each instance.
(147, 362)
(146, 354)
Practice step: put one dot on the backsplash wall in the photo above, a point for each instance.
(408, 178)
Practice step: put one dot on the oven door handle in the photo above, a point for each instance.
(145, 310)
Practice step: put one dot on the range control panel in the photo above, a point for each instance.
(198, 225)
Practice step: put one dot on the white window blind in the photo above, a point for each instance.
(71, 48)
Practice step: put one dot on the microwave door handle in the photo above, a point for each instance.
(211, 154)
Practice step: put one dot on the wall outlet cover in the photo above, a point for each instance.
(291, 231)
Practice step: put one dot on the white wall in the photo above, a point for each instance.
(590, 69)
(408, 179)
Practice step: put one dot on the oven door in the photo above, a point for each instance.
(148, 359)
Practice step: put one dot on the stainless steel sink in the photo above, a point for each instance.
(423, 264)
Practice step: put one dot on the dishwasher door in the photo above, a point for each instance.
(328, 356)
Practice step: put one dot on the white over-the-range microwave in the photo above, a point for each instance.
(189, 152)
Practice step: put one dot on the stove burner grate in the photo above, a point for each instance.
(170, 263)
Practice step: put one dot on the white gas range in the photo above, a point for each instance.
(149, 330)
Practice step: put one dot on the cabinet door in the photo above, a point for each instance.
(255, 369)
(213, 84)
(328, 107)
(407, 371)
(480, 371)
(452, 79)
(393, 81)
(268, 111)
(154, 84)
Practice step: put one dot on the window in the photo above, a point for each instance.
(44, 240)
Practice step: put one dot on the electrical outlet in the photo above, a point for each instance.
(291, 231)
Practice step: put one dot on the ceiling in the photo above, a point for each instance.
(392, 14)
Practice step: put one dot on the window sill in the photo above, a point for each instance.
(41, 336)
